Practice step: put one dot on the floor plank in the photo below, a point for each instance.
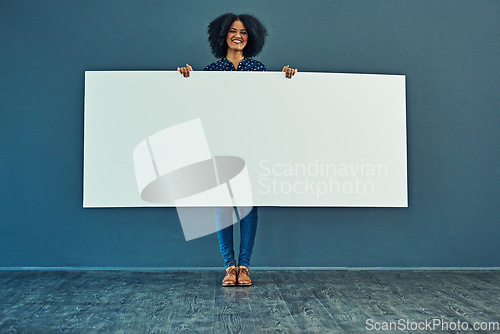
(305, 308)
(277, 302)
(268, 306)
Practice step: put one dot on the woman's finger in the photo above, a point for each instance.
(284, 68)
(181, 71)
(185, 71)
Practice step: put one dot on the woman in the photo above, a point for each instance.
(236, 39)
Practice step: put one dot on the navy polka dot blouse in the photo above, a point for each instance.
(248, 64)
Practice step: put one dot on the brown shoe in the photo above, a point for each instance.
(230, 278)
(244, 276)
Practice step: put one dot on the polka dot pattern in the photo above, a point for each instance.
(248, 64)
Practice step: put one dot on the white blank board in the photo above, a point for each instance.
(318, 139)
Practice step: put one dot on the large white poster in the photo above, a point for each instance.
(244, 138)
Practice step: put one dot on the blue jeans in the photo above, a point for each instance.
(248, 229)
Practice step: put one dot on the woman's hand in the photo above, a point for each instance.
(185, 71)
(289, 72)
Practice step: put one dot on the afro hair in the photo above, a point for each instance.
(218, 29)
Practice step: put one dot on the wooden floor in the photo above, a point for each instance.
(279, 301)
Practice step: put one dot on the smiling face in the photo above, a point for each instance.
(237, 36)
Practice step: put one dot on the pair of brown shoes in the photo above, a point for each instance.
(239, 276)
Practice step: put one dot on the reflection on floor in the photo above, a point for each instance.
(279, 301)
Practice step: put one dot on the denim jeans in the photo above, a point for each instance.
(248, 229)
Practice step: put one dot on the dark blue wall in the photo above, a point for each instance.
(449, 51)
